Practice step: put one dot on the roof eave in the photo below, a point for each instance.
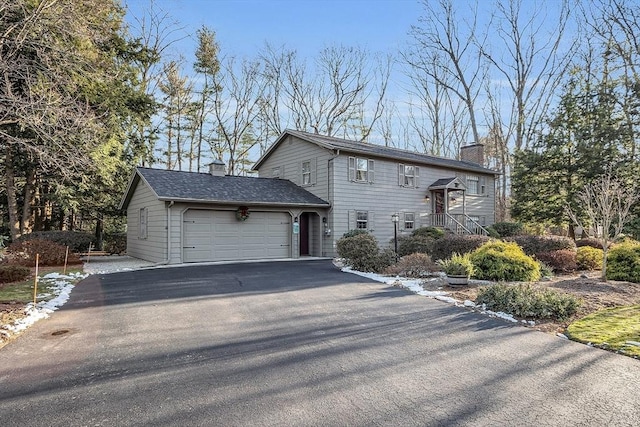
(237, 202)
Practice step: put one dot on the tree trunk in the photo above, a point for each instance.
(12, 202)
(99, 233)
(26, 223)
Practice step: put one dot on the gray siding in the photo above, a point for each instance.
(290, 155)
(381, 198)
(385, 196)
(153, 248)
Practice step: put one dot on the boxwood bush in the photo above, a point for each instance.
(450, 244)
(623, 262)
(526, 302)
(498, 260)
(589, 258)
(361, 253)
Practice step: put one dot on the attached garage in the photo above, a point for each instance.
(176, 217)
(216, 235)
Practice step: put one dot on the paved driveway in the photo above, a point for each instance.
(297, 343)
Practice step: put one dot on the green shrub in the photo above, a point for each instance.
(533, 245)
(355, 232)
(492, 232)
(451, 243)
(78, 241)
(413, 265)
(457, 265)
(505, 229)
(24, 253)
(623, 262)
(361, 253)
(384, 259)
(504, 261)
(408, 245)
(589, 241)
(589, 258)
(13, 273)
(562, 261)
(433, 232)
(115, 243)
(526, 302)
(545, 270)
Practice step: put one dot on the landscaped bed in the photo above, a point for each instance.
(595, 294)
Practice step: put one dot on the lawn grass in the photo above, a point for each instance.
(23, 291)
(610, 329)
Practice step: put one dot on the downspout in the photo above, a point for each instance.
(166, 261)
(330, 193)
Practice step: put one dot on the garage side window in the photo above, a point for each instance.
(142, 225)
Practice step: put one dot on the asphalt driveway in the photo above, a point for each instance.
(296, 343)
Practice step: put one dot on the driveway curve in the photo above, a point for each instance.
(297, 343)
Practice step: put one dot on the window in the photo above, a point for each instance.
(306, 173)
(360, 169)
(276, 172)
(408, 175)
(409, 220)
(362, 219)
(142, 225)
(475, 184)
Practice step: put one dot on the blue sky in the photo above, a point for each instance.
(243, 26)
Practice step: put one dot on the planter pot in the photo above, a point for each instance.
(457, 280)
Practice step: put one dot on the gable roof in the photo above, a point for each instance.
(198, 187)
(454, 182)
(354, 147)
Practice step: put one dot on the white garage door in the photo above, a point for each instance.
(218, 236)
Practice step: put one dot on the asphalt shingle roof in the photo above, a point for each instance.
(206, 188)
(380, 151)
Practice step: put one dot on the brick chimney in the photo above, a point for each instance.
(473, 153)
(217, 168)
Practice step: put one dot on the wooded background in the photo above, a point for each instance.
(553, 93)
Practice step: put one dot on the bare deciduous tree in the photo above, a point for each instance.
(236, 106)
(606, 204)
(445, 56)
(531, 58)
(342, 94)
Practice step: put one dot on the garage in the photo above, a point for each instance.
(217, 235)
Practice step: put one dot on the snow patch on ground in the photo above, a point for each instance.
(415, 286)
(59, 286)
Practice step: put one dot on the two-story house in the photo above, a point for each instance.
(311, 189)
(367, 184)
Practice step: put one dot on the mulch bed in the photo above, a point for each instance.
(595, 294)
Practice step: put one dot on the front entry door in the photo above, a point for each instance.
(304, 234)
(439, 201)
